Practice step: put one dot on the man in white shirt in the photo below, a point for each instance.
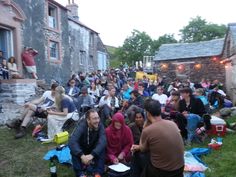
(36, 108)
(160, 96)
(108, 104)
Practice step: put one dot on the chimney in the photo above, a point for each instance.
(73, 10)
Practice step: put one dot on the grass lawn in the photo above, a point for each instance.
(24, 157)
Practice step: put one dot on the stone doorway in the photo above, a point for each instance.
(11, 21)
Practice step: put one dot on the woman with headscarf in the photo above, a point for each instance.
(119, 140)
(64, 108)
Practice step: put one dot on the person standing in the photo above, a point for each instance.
(87, 145)
(163, 141)
(28, 60)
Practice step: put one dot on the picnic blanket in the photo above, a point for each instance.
(63, 155)
(194, 166)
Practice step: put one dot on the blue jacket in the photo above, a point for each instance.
(74, 92)
(86, 141)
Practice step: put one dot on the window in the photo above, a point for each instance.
(6, 42)
(54, 50)
(52, 16)
(91, 39)
(90, 63)
(82, 57)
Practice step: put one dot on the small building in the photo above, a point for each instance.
(191, 60)
(229, 60)
(65, 45)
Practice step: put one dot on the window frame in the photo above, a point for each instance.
(51, 59)
(82, 57)
(57, 11)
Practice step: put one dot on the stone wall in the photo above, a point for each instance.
(17, 90)
(72, 37)
(9, 111)
(81, 50)
(36, 34)
(210, 69)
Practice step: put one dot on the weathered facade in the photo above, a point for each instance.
(191, 60)
(229, 59)
(65, 45)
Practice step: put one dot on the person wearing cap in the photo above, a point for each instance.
(84, 101)
(36, 108)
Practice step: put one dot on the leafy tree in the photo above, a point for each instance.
(135, 47)
(165, 39)
(199, 29)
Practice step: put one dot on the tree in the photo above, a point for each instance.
(165, 39)
(199, 29)
(135, 47)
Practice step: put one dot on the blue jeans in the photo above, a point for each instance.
(96, 167)
(192, 122)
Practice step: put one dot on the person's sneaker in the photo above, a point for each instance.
(14, 124)
(21, 133)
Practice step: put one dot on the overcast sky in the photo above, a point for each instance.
(115, 19)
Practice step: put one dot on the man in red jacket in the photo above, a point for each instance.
(28, 60)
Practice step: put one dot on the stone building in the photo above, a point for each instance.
(65, 45)
(229, 60)
(191, 60)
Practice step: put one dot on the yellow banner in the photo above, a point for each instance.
(139, 75)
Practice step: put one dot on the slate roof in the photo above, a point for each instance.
(190, 50)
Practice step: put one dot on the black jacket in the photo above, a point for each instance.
(86, 141)
(196, 106)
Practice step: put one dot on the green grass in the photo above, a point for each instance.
(222, 163)
(24, 157)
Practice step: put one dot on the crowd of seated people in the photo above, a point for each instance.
(115, 116)
(8, 68)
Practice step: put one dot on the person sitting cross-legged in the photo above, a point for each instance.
(71, 89)
(108, 105)
(161, 138)
(84, 102)
(119, 140)
(36, 108)
(139, 159)
(87, 145)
